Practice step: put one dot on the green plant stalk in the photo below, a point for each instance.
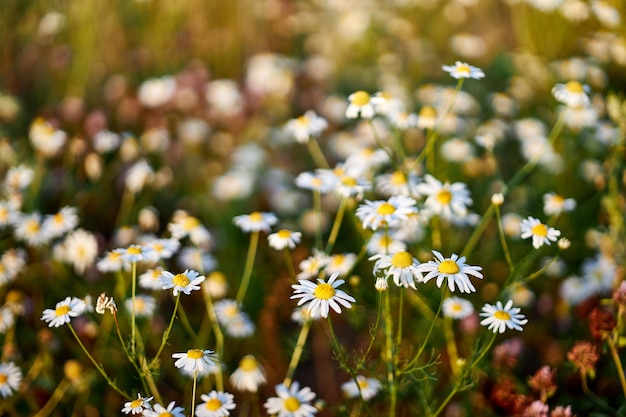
(219, 337)
(400, 316)
(618, 363)
(448, 333)
(332, 238)
(247, 272)
(373, 331)
(317, 154)
(505, 246)
(133, 325)
(166, 335)
(483, 352)
(297, 352)
(289, 263)
(128, 355)
(370, 122)
(445, 402)
(97, 365)
(52, 403)
(390, 357)
(193, 392)
(317, 209)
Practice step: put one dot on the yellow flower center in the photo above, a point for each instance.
(324, 291)
(190, 223)
(349, 181)
(291, 404)
(181, 280)
(363, 383)
(457, 307)
(540, 230)
(231, 311)
(385, 209)
(166, 414)
(338, 259)
(157, 247)
(217, 277)
(256, 216)
(247, 364)
(502, 315)
(398, 178)
(195, 353)
(574, 87)
(360, 98)
(58, 218)
(32, 226)
(444, 196)
(134, 250)
(316, 182)
(303, 120)
(284, 234)
(402, 259)
(213, 404)
(140, 304)
(136, 403)
(3, 378)
(463, 68)
(61, 311)
(557, 199)
(428, 112)
(448, 267)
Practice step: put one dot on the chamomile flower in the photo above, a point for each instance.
(216, 404)
(311, 266)
(184, 225)
(56, 225)
(256, 221)
(184, 282)
(113, 262)
(382, 242)
(235, 322)
(144, 305)
(7, 318)
(315, 182)
(195, 360)
(364, 387)
(291, 401)
(572, 93)
(133, 253)
(541, 234)
(498, 318)
(171, 411)
(284, 239)
(397, 183)
(193, 257)
(150, 279)
(322, 296)
(80, 248)
(454, 269)
(457, 308)
(375, 214)
(137, 406)
(402, 266)
(556, 204)
(158, 249)
(427, 118)
(447, 200)
(215, 285)
(360, 105)
(249, 375)
(10, 379)
(306, 126)
(463, 70)
(28, 228)
(63, 312)
(340, 263)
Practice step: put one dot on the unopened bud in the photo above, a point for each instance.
(497, 199)
(564, 243)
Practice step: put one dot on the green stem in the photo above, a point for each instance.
(505, 246)
(390, 357)
(317, 209)
(618, 364)
(317, 154)
(247, 272)
(166, 335)
(336, 225)
(193, 393)
(297, 353)
(453, 355)
(133, 330)
(219, 337)
(445, 402)
(289, 262)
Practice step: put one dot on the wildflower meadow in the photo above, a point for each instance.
(313, 208)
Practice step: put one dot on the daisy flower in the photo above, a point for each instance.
(463, 70)
(499, 317)
(64, 311)
(235, 322)
(133, 253)
(10, 379)
(340, 263)
(170, 411)
(401, 266)
(137, 406)
(184, 225)
(306, 126)
(382, 242)
(574, 290)
(195, 359)
(454, 269)
(360, 105)
(284, 238)
(7, 318)
(216, 404)
(28, 227)
(255, 222)
(56, 225)
(457, 308)
(556, 204)
(447, 200)
(540, 233)
(364, 387)
(185, 282)
(374, 214)
(291, 401)
(18, 178)
(311, 266)
(572, 93)
(216, 284)
(315, 182)
(196, 258)
(113, 262)
(143, 306)
(386, 104)
(322, 295)
(427, 118)
(157, 249)
(80, 248)
(249, 375)
(397, 183)
(150, 279)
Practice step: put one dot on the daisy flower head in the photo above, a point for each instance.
(256, 221)
(284, 238)
(150, 279)
(236, 323)
(322, 296)
(171, 411)
(457, 308)
(385, 103)
(360, 105)
(158, 249)
(56, 225)
(382, 242)
(303, 128)
(498, 318)
(572, 94)
(540, 233)
(556, 204)
(362, 387)
(463, 70)
(311, 266)
(184, 225)
(454, 269)
(291, 401)
(447, 200)
(133, 253)
(375, 214)
(315, 182)
(143, 305)
(216, 404)
(28, 227)
(216, 285)
(402, 266)
(249, 375)
(10, 379)
(64, 311)
(396, 183)
(137, 406)
(195, 360)
(340, 263)
(112, 262)
(184, 282)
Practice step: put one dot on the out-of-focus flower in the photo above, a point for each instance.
(340, 263)
(540, 233)
(236, 323)
(216, 404)
(457, 308)
(543, 382)
(556, 204)
(306, 126)
(64, 220)
(106, 141)
(45, 138)
(156, 92)
(463, 70)
(27, 227)
(143, 305)
(256, 221)
(184, 225)
(315, 182)
(249, 375)
(138, 176)
(447, 200)
(498, 318)
(291, 401)
(397, 183)
(80, 248)
(360, 105)
(572, 93)
(322, 296)
(224, 98)
(584, 356)
(364, 387)
(608, 15)
(601, 322)
(10, 379)
(216, 284)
